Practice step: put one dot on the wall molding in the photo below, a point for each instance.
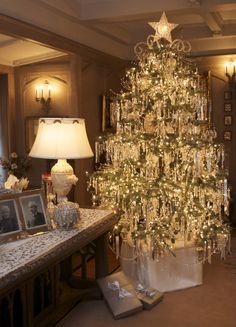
(17, 28)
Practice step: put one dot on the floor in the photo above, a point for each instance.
(212, 304)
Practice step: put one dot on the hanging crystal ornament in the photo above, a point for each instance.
(161, 166)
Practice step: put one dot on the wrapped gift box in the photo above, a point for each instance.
(170, 273)
(150, 298)
(118, 276)
(120, 306)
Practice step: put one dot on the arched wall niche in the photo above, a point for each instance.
(60, 84)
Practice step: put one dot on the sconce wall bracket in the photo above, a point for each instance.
(43, 95)
(45, 103)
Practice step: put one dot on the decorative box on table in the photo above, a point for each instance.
(170, 273)
(120, 305)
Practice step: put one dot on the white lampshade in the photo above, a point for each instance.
(61, 138)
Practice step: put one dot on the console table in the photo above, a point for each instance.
(33, 270)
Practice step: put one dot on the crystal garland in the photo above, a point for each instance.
(162, 166)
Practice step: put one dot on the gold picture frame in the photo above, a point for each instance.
(108, 114)
(227, 135)
(227, 95)
(228, 119)
(228, 107)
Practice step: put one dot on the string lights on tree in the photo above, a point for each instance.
(162, 166)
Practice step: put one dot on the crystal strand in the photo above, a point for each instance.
(96, 152)
(225, 190)
(222, 158)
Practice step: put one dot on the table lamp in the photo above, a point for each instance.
(62, 139)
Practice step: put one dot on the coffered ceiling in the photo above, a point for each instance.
(115, 26)
(210, 25)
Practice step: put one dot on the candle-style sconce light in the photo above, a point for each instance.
(230, 70)
(43, 95)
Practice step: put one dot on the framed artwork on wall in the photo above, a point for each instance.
(228, 107)
(228, 120)
(227, 135)
(227, 95)
(108, 114)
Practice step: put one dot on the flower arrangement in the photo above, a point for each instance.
(17, 166)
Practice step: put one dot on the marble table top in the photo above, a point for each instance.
(23, 257)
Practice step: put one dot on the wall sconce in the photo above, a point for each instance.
(43, 95)
(230, 70)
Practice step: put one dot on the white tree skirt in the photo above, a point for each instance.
(170, 273)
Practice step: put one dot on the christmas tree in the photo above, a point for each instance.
(162, 166)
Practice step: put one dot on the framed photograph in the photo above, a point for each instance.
(228, 107)
(108, 114)
(227, 95)
(10, 222)
(31, 128)
(228, 120)
(34, 211)
(227, 135)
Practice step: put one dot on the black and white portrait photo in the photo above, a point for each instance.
(33, 211)
(9, 217)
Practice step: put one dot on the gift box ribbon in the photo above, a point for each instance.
(122, 292)
(150, 292)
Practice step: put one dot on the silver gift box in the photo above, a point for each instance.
(120, 307)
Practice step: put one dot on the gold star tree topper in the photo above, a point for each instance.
(163, 28)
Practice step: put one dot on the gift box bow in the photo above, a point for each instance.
(122, 292)
(150, 292)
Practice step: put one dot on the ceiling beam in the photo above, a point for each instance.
(129, 10)
(213, 45)
(114, 32)
(211, 22)
(19, 29)
(70, 8)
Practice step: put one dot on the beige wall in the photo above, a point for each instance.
(219, 87)
(77, 88)
(96, 81)
(27, 109)
(220, 84)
